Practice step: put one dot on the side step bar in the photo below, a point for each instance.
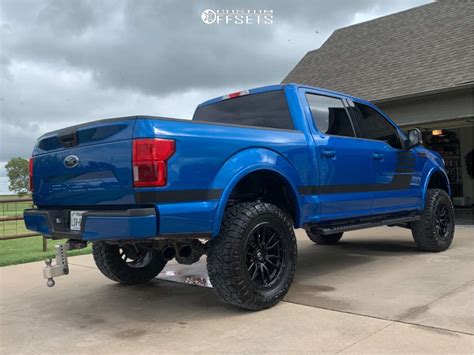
(350, 226)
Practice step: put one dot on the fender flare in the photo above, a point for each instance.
(246, 162)
(431, 172)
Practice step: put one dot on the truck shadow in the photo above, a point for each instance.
(162, 305)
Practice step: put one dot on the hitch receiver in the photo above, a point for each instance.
(61, 268)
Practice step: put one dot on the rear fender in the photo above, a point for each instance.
(248, 161)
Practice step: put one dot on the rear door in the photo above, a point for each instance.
(343, 161)
(394, 168)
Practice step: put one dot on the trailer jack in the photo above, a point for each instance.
(62, 267)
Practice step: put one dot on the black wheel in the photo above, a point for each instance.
(435, 230)
(252, 262)
(323, 239)
(130, 265)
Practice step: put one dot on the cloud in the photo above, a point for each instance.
(64, 62)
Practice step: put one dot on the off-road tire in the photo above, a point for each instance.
(226, 260)
(425, 232)
(108, 260)
(330, 239)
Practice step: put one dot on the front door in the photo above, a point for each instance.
(394, 168)
(343, 161)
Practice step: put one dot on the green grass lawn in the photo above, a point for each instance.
(18, 251)
(25, 250)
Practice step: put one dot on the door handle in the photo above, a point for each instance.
(377, 156)
(328, 153)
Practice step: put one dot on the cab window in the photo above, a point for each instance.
(374, 126)
(330, 116)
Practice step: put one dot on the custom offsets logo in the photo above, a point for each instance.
(237, 17)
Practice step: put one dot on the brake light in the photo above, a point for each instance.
(235, 94)
(31, 174)
(150, 161)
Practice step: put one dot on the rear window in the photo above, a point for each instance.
(268, 109)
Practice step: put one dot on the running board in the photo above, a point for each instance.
(348, 226)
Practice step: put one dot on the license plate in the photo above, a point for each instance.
(75, 220)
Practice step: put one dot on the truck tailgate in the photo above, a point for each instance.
(85, 165)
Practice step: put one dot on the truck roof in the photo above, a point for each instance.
(280, 87)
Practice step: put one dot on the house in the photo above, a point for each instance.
(418, 67)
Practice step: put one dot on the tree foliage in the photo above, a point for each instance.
(18, 175)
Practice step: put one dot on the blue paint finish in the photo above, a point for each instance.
(102, 177)
(196, 162)
(118, 228)
(351, 155)
(37, 223)
(216, 157)
(427, 171)
(262, 160)
(189, 217)
(103, 227)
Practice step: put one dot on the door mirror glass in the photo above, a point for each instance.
(414, 138)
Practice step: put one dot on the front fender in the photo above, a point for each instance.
(248, 161)
(432, 170)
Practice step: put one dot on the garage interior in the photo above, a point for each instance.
(446, 120)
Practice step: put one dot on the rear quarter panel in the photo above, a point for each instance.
(215, 157)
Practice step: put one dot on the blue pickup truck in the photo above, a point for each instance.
(233, 183)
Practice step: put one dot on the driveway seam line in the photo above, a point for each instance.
(364, 338)
(437, 299)
(381, 318)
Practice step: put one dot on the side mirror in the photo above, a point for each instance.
(414, 138)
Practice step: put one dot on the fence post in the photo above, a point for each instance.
(45, 244)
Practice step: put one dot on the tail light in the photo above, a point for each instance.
(31, 174)
(150, 161)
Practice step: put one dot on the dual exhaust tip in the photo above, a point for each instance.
(179, 251)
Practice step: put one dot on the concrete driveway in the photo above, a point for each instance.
(374, 292)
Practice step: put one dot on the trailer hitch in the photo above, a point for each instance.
(61, 268)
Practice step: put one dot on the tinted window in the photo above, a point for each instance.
(374, 126)
(330, 116)
(268, 109)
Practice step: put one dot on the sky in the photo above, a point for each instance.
(66, 62)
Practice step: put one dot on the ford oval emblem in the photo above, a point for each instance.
(71, 161)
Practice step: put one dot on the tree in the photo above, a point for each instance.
(18, 174)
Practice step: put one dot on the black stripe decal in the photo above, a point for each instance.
(406, 163)
(405, 169)
(399, 182)
(177, 196)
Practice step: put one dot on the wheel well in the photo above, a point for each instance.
(266, 186)
(438, 181)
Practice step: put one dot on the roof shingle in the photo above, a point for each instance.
(423, 49)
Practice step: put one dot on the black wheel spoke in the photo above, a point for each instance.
(270, 240)
(255, 273)
(271, 262)
(264, 268)
(442, 221)
(262, 272)
(251, 266)
(273, 245)
(264, 254)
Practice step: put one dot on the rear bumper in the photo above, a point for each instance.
(140, 223)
